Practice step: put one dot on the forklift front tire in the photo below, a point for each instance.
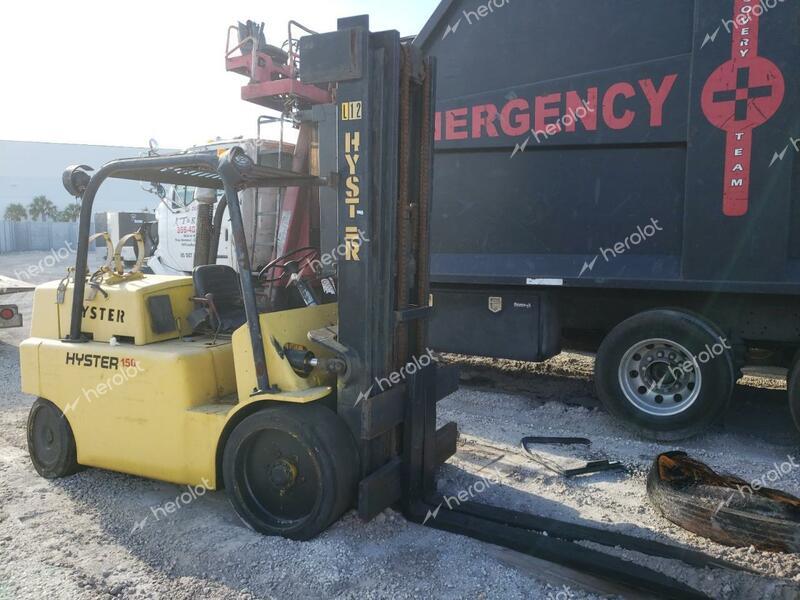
(51, 443)
(667, 374)
(291, 470)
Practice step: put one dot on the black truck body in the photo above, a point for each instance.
(597, 160)
(614, 145)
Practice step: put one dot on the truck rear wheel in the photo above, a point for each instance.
(291, 470)
(51, 443)
(667, 374)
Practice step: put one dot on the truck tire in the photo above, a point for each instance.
(51, 443)
(291, 470)
(723, 508)
(667, 374)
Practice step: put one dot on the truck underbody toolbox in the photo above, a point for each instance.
(583, 316)
(503, 323)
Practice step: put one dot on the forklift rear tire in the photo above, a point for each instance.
(667, 374)
(51, 443)
(291, 470)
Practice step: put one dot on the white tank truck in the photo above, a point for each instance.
(177, 213)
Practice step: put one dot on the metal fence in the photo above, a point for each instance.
(34, 235)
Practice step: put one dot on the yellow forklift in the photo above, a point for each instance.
(206, 380)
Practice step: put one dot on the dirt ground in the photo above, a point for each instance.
(102, 535)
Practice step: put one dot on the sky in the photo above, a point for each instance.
(120, 73)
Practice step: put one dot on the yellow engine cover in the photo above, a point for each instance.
(122, 312)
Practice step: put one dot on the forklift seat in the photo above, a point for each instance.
(218, 288)
(251, 30)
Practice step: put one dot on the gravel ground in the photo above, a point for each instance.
(492, 423)
(77, 538)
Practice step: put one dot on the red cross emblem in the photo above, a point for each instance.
(740, 95)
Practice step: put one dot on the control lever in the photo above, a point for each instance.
(293, 268)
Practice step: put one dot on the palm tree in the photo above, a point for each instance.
(41, 207)
(15, 212)
(71, 212)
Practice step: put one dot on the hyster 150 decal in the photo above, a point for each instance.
(740, 95)
(99, 361)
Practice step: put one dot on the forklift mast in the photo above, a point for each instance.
(378, 139)
(381, 127)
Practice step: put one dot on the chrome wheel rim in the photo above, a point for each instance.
(660, 377)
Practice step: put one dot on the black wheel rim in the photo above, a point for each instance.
(48, 438)
(279, 478)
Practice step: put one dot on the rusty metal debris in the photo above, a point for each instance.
(592, 466)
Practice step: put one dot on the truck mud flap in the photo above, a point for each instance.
(723, 508)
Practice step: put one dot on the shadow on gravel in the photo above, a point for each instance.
(453, 480)
(175, 532)
(761, 413)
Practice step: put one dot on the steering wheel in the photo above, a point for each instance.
(282, 261)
